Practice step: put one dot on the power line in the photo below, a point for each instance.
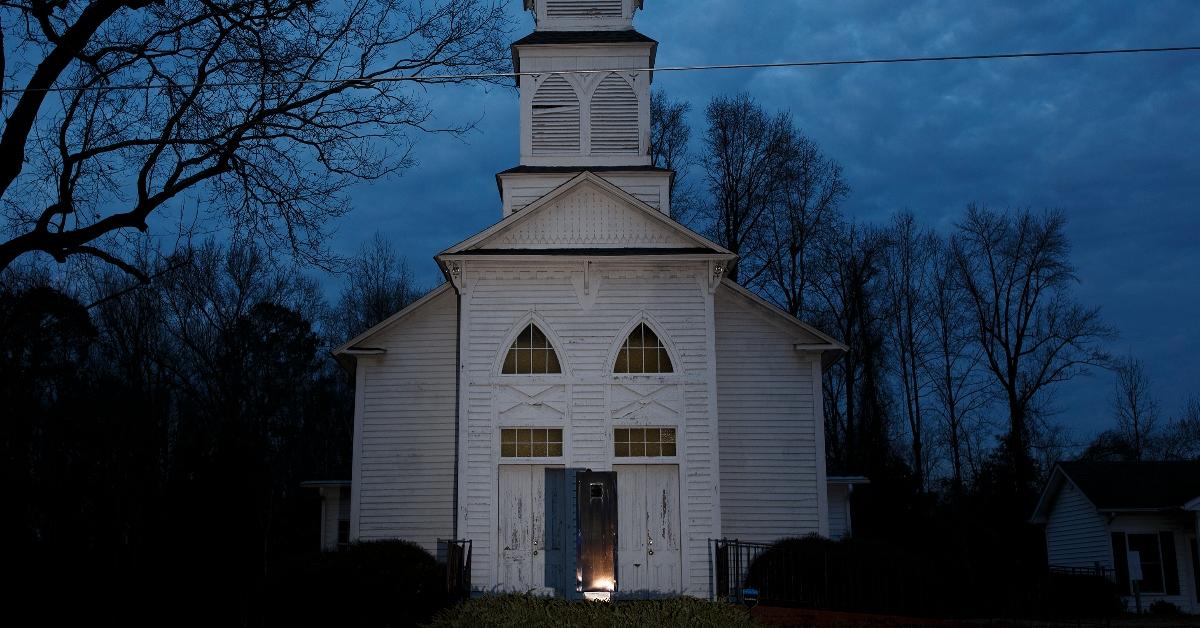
(437, 78)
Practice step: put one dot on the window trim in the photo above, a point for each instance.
(552, 338)
(623, 335)
(643, 459)
(529, 459)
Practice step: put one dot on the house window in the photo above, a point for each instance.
(531, 354)
(637, 442)
(531, 442)
(1151, 556)
(642, 352)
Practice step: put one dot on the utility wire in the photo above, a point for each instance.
(436, 78)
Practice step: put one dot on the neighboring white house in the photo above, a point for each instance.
(1097, 513)
(587, 329)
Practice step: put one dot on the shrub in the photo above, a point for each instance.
(521, 611)
(1163, 608)
(375, 584)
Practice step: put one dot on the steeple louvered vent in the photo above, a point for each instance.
(555, 118)
(614, 117)
(583, 8)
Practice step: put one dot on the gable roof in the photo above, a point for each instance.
(351, 347)
(687, 238)
(1125, 486)
(829, 347)
(554, 38)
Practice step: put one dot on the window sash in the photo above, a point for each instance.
(643, 352)
(1147, 544)
(644, 442)
(531, 442)
(531, 354)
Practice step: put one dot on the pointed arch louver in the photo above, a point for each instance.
(531, 354)
(555, 117)
(643, 352)
(614, 117)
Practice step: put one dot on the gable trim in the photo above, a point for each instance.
(517, 218)
(1058, 478)
(350, 346)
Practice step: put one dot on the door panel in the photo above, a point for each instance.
(515, 536)
(648, 553)
(529, 531)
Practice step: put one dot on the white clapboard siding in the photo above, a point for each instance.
(1076, 535)
(555, 117)
(584, 8)
(614, 117)
(408, 429)
(767, 427)
(673, 295)
(839, 511)
(589, 217)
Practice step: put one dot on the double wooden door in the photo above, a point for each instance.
(532, 527)
(648, 547)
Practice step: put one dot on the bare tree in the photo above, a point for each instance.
(1134, 406)
(742, 149)
(1015, 271)
(259, 113)
(380, 283)
(669, 136)
(953, 368)
(807, 211)
(856, 422)
(1181, 437)
(908, 271)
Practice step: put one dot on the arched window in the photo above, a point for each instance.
(614, 117)
(555, 117)
(531, 354)
(643, 352)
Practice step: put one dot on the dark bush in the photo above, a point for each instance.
(1068, 596)
(1163, 608)
(375, 584)
(851, 575)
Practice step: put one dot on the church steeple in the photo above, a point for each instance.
(574, 15)
(585, 103)
(591, 118)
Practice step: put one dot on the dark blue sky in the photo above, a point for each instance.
(1112, 141)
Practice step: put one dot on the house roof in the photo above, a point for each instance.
(1125, 486)
(552, 38)
(1136, 485)
(831, 350)
(351, 347)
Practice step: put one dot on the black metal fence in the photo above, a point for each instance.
(458, 568)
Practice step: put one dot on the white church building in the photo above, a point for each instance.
(586, 330)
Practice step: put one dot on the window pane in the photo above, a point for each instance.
(539, 437)
(637, 449)
(668, 449)
(622, 365)
(1147, 546)
(510, 362)
(508, 450)
(552, 365)
(539, 361)
(539, 450)
(524, 450)
(508, 436)
(622, 436)
(554, 436)
(637, 435)
(664, 362)
(622, 450)
(651, 435)
(554, 449)
(668, 435)
(652, 449)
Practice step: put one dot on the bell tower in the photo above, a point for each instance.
(585, 93)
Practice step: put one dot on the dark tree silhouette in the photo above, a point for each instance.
(260, 112)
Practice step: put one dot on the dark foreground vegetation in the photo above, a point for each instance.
(519, 611)
(866, 576)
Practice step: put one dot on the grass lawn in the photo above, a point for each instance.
(529, 611)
